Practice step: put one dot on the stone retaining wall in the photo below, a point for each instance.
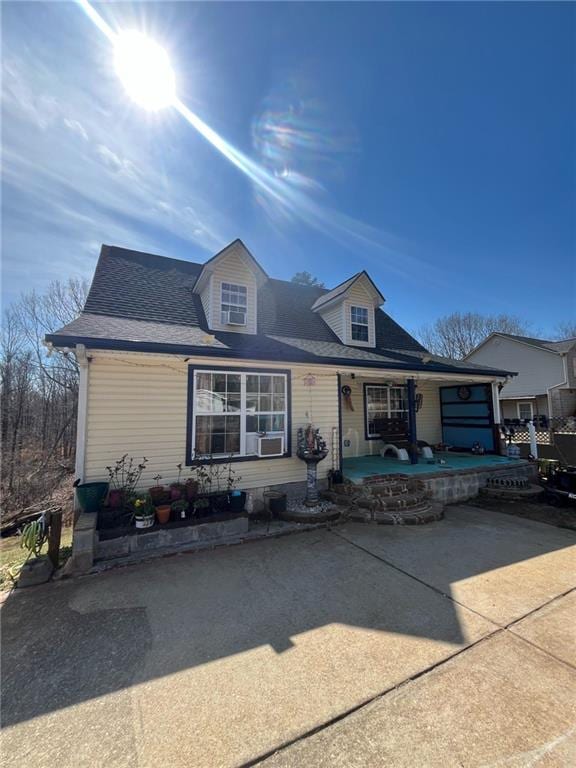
(87, 549)
(461, 485)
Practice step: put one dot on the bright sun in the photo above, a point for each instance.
(145, 70)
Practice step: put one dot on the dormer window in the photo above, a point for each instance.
(233, 304)
(359, 323)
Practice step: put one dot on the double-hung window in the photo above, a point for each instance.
(525, 411)
(383, 403)
(359, 323)
(231, 410)
(233, 304)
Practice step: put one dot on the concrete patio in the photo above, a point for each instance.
(447, 644)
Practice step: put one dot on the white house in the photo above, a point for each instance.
(545, 386)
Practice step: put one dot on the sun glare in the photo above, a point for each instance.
(145, 70)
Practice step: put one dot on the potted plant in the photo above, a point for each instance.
(177, 490)
(163, 513)
(201, 506)
(143, 511)
(157, 492)
(179, 509)
(124, 476)
(236, 499)
(191, 488)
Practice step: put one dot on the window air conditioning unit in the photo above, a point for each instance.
(271, 446)
(234, 317)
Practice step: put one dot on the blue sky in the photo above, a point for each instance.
(431, 144)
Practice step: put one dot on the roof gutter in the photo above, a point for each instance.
(292, 356)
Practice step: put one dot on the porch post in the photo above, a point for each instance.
(412, 436)
(496, 416)
(496, 402)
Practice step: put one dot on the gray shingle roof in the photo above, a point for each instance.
(564, 345)
(143, 301)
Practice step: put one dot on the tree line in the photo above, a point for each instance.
(39, 395)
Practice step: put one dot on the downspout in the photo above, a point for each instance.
(340, 455)
(83, 364)
(412, 436)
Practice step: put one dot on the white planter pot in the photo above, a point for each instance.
(145, 522)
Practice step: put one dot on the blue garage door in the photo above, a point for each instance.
(467, 416)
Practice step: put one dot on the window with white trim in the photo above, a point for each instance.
(231, 410)
(525, 411)
(359, 323)
(233, 299)
(383, 403)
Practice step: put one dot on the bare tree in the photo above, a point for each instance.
(565, 330)
(305, 278)
(39, 394)
(457, 334)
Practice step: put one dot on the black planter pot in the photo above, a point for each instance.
(219, 503)
(237, 502)
(113, 518)
(277, 502)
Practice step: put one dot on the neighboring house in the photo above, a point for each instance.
(181, 361)
(545, 386)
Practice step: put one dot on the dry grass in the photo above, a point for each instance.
(13, 556)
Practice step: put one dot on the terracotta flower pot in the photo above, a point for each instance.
(163, 513)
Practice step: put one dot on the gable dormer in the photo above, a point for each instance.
(228, 288)
(349, 310)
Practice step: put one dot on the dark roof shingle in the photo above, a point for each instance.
(142, 299)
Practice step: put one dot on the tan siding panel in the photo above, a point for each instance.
(428, 424)
(140, 409)
(233, 269)
(334, 317)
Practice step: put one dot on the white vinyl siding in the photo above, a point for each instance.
(538, 369)
(137, 404)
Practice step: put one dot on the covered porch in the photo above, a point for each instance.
(362, 468)
(417, 423)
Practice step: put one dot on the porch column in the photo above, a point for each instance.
(496, 403)
(412, 436)
(496, 417)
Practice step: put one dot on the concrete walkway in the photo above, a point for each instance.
(449, 644)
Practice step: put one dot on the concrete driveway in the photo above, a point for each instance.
(449, 644)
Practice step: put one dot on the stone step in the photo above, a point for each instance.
(423, 513)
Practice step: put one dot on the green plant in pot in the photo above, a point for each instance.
(179, 509)
(124, 476)
(143, 511)
(201, 507)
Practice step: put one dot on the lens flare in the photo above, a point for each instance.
(145, 70)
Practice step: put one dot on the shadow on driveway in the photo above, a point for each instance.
(307, 623)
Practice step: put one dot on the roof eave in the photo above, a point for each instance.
(292, 355)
